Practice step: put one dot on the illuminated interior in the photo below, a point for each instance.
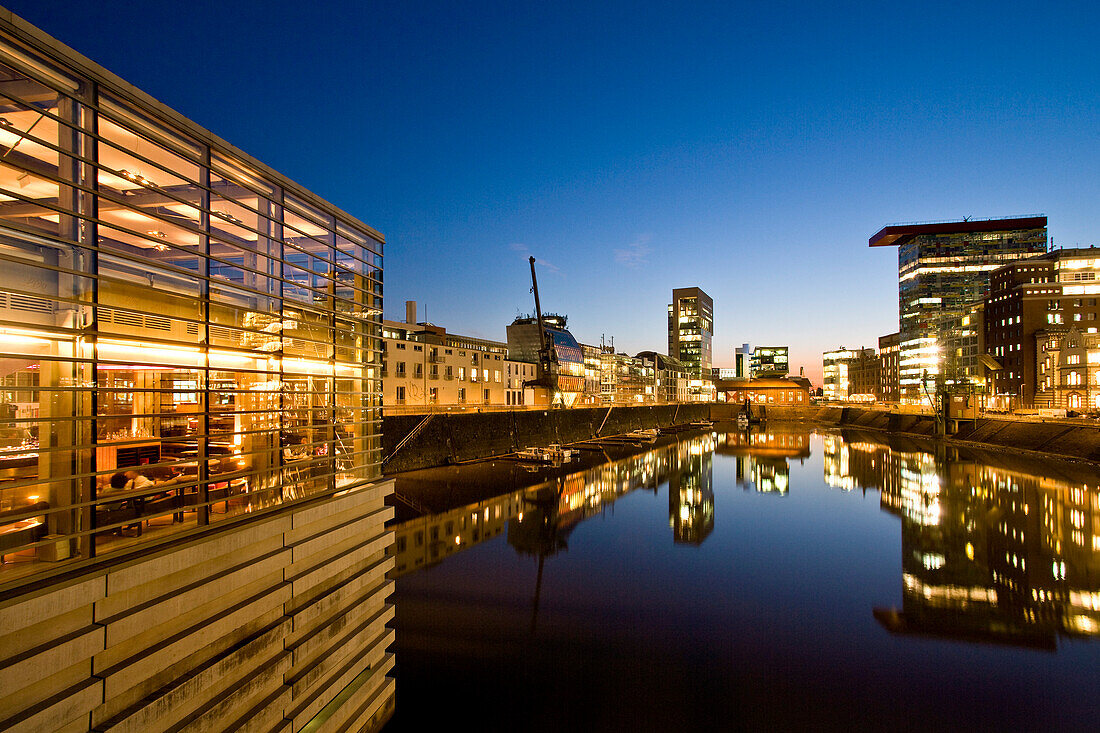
(184, 338)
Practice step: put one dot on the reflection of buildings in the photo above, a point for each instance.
(988, 554)
(431, 538)
(762, 457)
(427, 540)
(691, 493)
(852, 464)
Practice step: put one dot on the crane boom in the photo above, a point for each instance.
(544, 348)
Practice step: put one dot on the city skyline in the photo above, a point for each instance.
(744, 150)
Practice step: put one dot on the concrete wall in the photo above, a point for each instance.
(258, 627)
(449, 438)
(1056, 438)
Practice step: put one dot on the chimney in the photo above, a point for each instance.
(410, 312)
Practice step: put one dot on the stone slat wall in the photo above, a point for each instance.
(453, 437)
(255, 628)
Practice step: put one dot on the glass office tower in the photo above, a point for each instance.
(185, 335)
(943, 268)
(690, 331)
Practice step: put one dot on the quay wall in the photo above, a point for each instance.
(271, 624)
(456, 437)
(1054, 437)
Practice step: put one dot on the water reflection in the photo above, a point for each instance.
(762, 457)
(539, 517)
(792, 609)
(989, 552)
(691, 493)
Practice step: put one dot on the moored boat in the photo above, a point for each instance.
(553, 453)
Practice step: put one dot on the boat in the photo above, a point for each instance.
(553, 453)
(645, 435)
(701, 424)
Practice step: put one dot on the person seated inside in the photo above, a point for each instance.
(128, 481)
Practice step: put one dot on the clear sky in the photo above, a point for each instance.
(632, 147)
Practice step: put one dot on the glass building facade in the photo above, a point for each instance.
(690, 333)
(943, 268)
(186, 337)
(770, 361)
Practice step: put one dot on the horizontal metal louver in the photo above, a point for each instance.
(26, 303)
(137, 320)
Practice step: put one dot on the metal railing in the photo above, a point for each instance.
(967, 219)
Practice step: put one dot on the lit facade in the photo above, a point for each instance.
(1069, 369)
(889, 353)
(166, 303)
(560, 367)
(670, 380)
(593, 371)
(627, 380)
(742, 362)
(865, 376)
(770, 361)
(189, 388)
(766, 391)
(690, 333)
(943, 268)
(838, 370)
(425, 366)
(1031, 307)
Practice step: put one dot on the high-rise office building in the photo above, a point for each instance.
(944, 267)
(690, 331)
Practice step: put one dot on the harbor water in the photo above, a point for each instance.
(756, 580)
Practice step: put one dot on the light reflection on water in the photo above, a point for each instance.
(766, 579)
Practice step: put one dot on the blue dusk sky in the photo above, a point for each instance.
(746, 148)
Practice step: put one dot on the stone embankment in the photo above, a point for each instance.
(448, 438)
(1073, 438)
